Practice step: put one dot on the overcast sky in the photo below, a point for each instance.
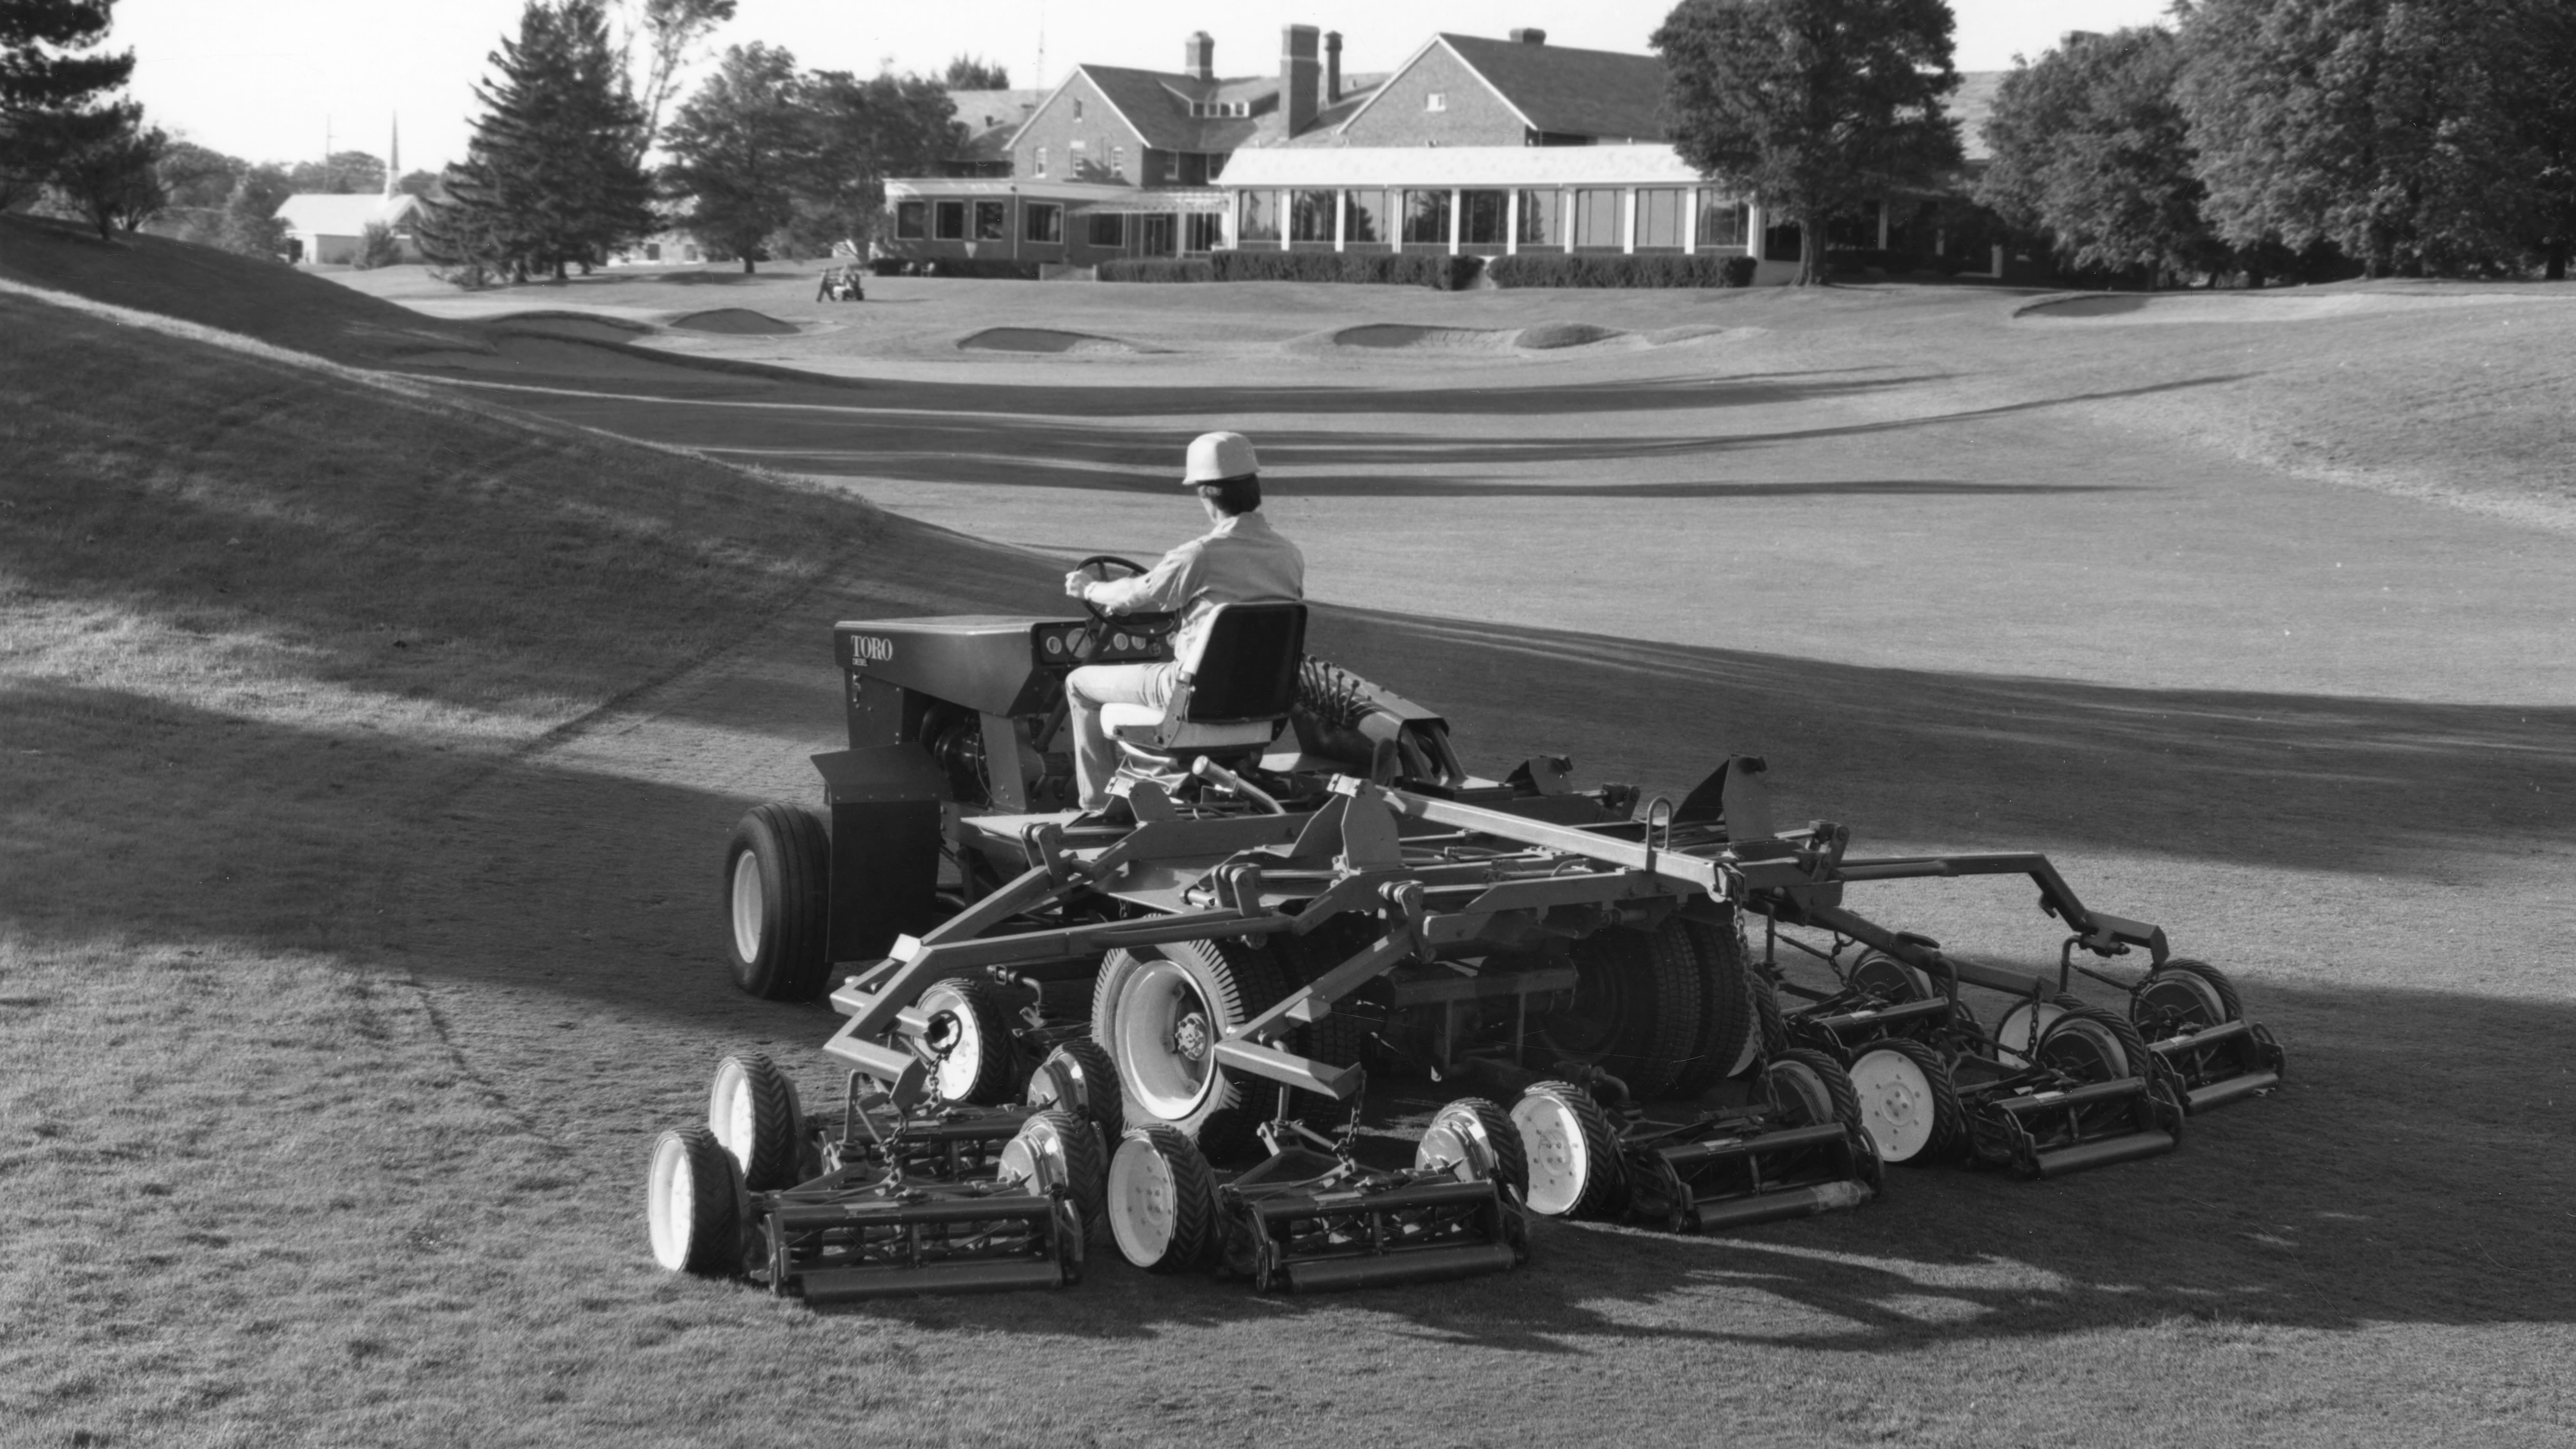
(264, 79)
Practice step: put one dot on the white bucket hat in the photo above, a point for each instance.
(1215, 457)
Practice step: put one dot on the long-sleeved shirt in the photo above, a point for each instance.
(1243, 560)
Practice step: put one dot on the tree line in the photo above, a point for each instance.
(2251, 139)
(764, 159)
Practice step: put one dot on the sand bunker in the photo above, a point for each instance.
(736, 321)
(2223, 307)
(1045, 339)
(1542, 336)
(576, 326)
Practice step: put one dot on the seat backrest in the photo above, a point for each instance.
(1247, 665)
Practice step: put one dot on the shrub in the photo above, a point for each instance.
(377, 248)
(1556, 269)
(1438, 271)
(983, 267)
(1158, 269)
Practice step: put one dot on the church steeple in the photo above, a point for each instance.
(393, 160)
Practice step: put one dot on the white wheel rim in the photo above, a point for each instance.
(746, 906)
(1456, 1144)
(1896, 1104)
(963, 1061)
(1036, 1159)
(1166, 1042)
(1552, 1138)
(670, 1204)
(2019, 1032)
(1143, 1203)
(729, 1113)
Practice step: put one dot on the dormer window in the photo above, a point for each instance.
(1436, 101)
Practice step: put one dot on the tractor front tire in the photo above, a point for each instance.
(777, 901)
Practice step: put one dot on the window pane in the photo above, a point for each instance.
(1596, 219)
(1204, 231)
(1365, 220)
(1659, 217)
(1541, 225)
(1259, 219)
(1042, 161)
(1045, 223)
(1310, 216)
(1481, 217)
(1426, 218)
(911, 220)
(951, 216)
(992, 220)
(1158, 237)
(1721, 220)
(1108, 231)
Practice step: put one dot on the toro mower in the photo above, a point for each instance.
(1297, 877)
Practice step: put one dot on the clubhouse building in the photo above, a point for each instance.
(1472, 145)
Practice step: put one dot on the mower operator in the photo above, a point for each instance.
(1240, 561)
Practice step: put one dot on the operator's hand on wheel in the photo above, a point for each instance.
(1077, 585)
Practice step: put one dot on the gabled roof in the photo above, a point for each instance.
(1566, 91)
(1156, 105)
(325, 213)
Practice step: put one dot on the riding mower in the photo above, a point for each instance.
(1298, 880)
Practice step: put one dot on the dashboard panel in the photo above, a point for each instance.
(1123, 641)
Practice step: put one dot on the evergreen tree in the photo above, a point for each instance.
(59, 129)
(550, 177)
(250, 226)
(1812, 107)
(739, 149)
(2090, 149)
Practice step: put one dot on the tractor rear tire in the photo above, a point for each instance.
(1727, 1019)
(692, 1203)
(1572, 1153)
(1058, 1148)
(777, 902)
(971, 1031)
(1160, 1011)
(1636, 1013)
(1162, 1202)
(1478, 1141)
(1908, 1102)
(753, 1112)
(1079, 1077)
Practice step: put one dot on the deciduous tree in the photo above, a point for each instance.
(860, 132)
(739, 149)
(2090, 149)
(1811, 106)
(974, 73)
(342, 173)
(668, 31)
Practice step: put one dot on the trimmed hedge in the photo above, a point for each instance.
(1557, 269)
(1438, 271)
(1157, 269)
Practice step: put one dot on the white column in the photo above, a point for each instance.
(1512, 222)
(1454, 220)
(1341, 219)
(1628, 219)
(1565, 216)
(1281, 200)
(1690, 220)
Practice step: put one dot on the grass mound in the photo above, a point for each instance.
(268, 300)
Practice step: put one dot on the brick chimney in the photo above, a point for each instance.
(1198, 56)
(1332, 66)
(1528, 35)
(1299, 76)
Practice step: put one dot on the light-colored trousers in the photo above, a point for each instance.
(1095, 755)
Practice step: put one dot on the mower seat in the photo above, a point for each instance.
(1232, 696)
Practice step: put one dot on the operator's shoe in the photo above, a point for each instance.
(1114, 811)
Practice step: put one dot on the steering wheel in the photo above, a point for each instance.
(1099, 615)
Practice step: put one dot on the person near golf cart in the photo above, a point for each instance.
(1242, 560)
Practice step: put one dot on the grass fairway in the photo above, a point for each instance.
(367, 741)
